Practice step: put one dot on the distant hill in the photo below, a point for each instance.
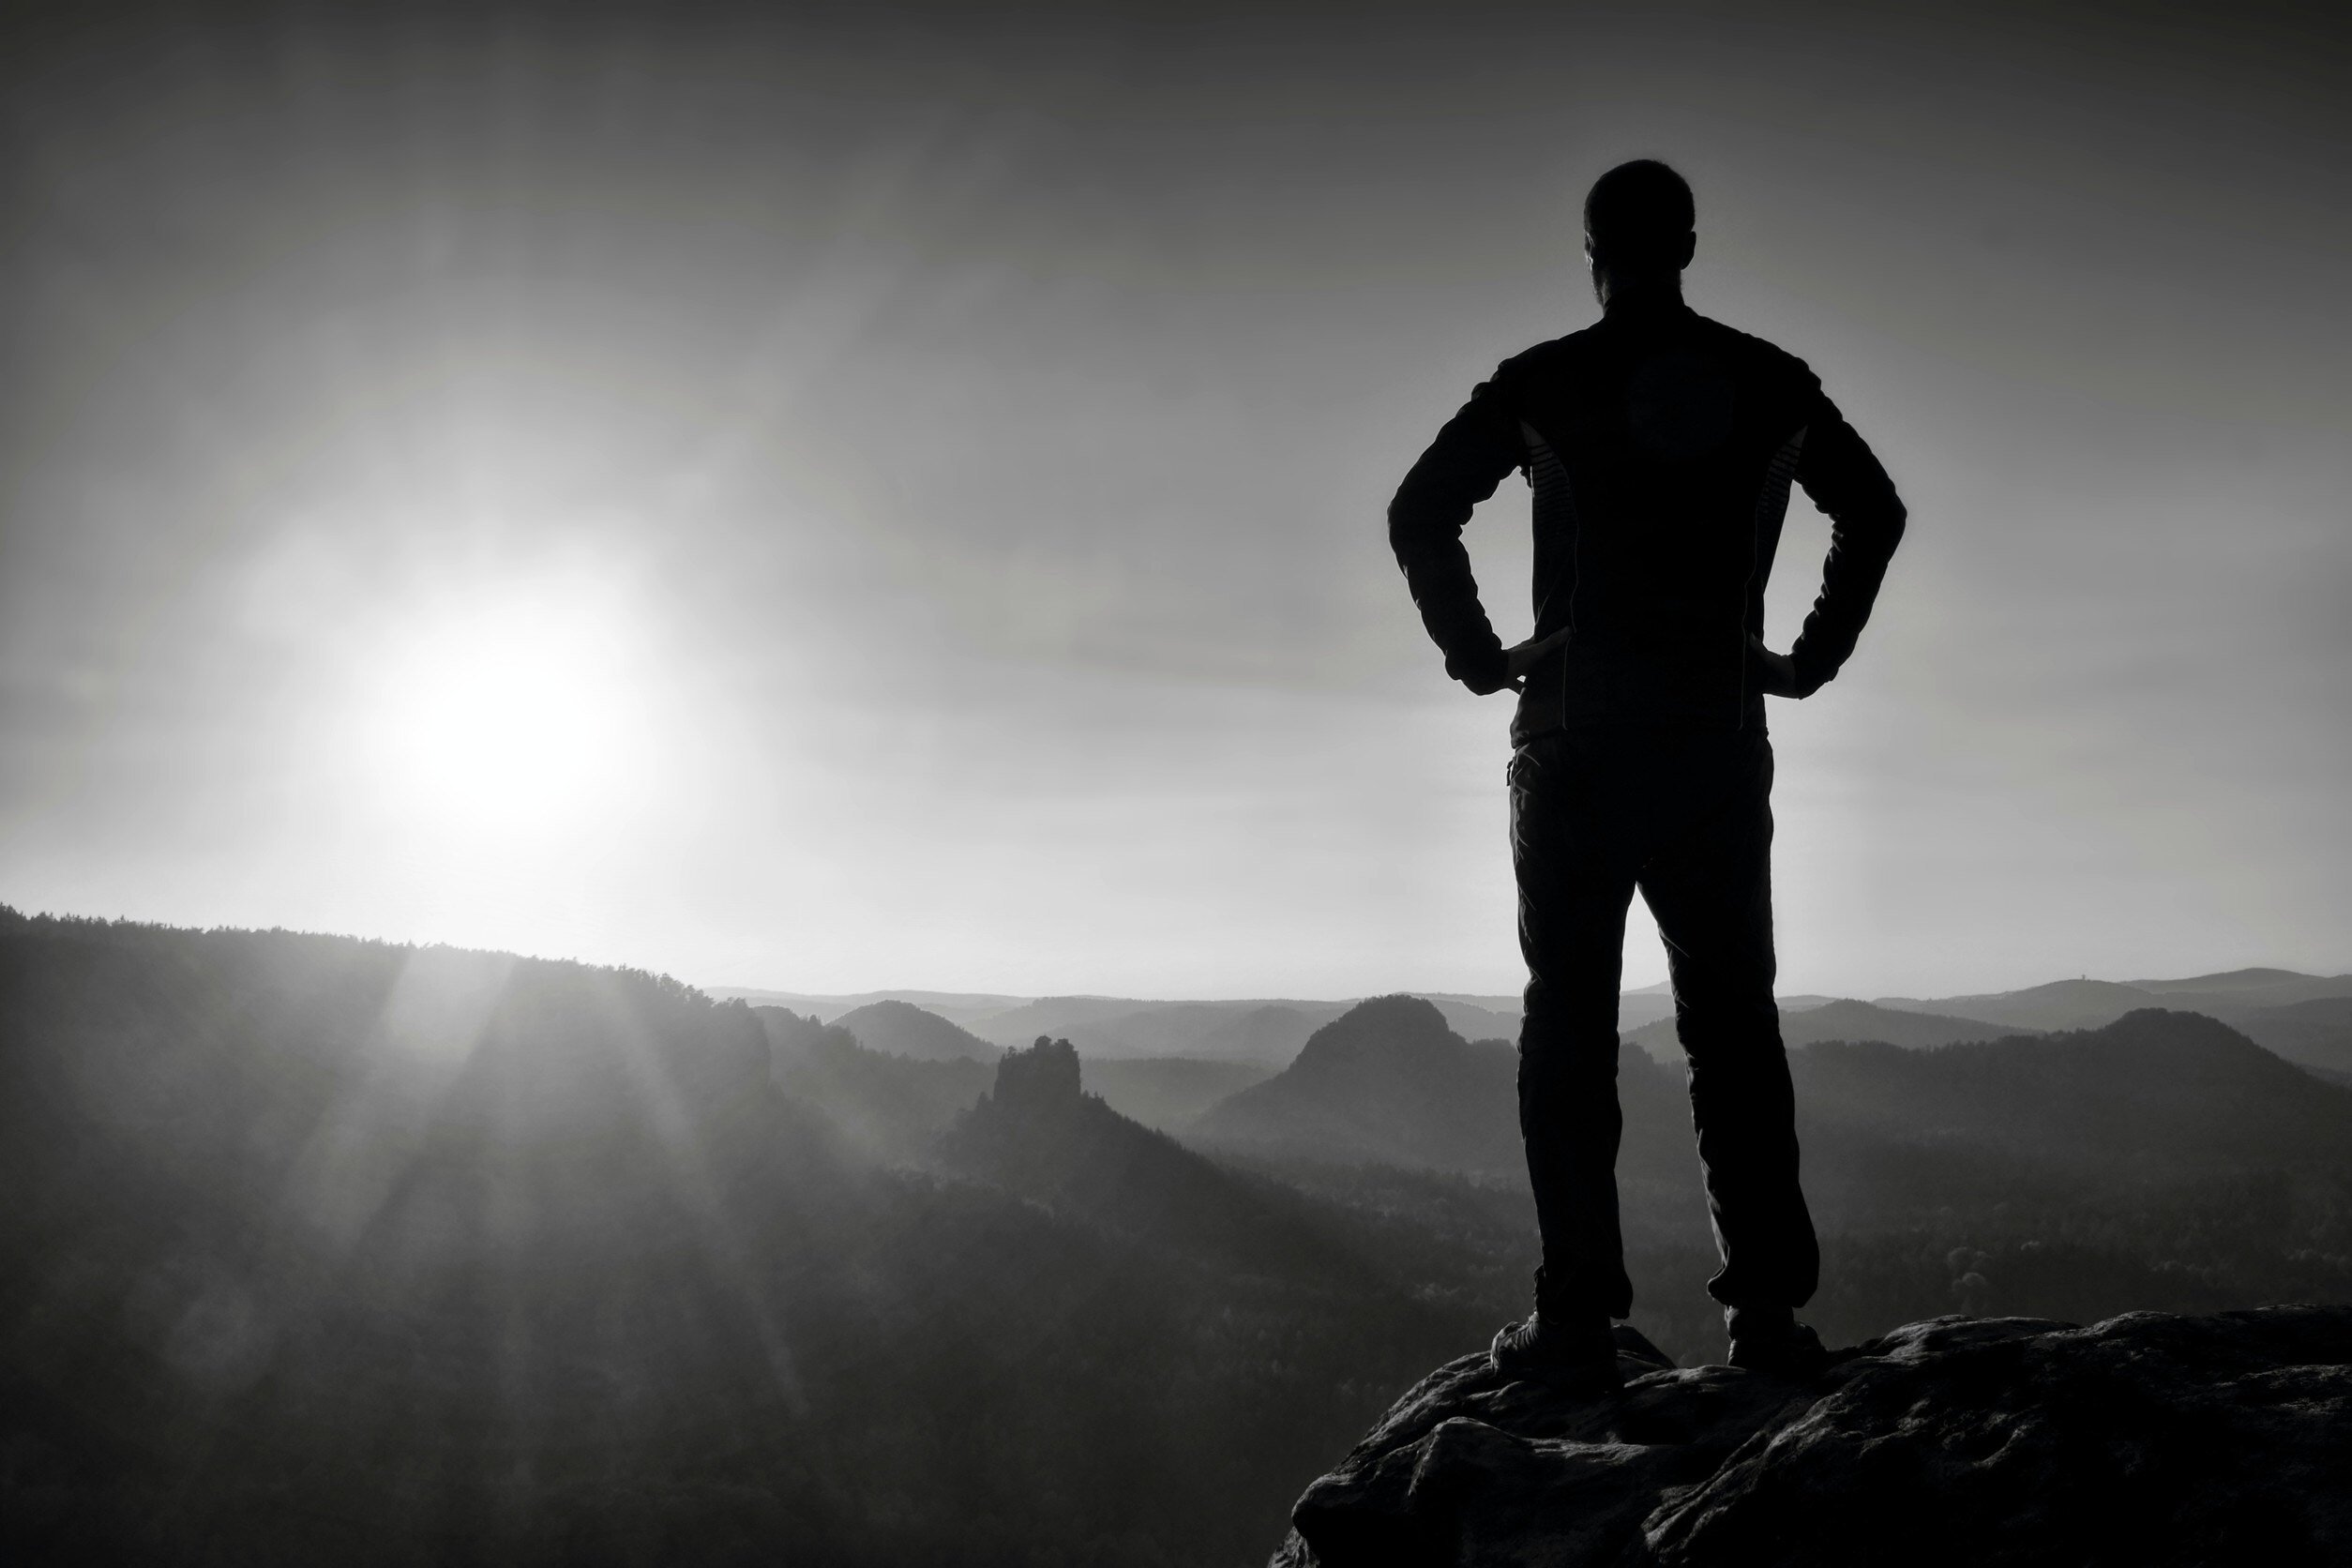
(1850, 1019)
(1168, 1092)
(2059, 1004)
(1387, 1081)
(958, 1007)
(2232, 997)
(2268, 988)
(2155, 1091)
(891, 1108)
(1487, 1001)
(1474, 1022)
(1267, 1036)
(1842, 1019)
(902, 1029)
(1647, 1004)
(2242, 993)
(1061, 1018)
(2316, 1033)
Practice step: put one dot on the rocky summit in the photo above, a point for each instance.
(2147, 1439)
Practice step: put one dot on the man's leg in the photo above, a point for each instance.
(1573, 849)
(1709, 886)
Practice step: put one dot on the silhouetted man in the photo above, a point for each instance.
(1660, 446)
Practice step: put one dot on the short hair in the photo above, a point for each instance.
(1638, 216)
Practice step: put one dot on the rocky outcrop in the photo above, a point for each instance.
(2147, 1439)
(1044, 1076)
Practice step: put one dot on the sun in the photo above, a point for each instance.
(515, 709)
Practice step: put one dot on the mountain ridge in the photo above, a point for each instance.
(1268, 1032)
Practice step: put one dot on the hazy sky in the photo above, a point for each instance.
(878, 497)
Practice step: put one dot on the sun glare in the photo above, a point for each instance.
(514, 710)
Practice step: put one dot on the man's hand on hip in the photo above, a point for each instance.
(1518, 661)
(1485, 678)
(1775, 673)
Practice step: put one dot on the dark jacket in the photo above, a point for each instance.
(1660, 446)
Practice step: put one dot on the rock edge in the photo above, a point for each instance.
(2149, 1438)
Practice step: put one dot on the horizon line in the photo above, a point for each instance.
(722, 990)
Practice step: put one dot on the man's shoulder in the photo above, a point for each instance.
(1549, 356)
(1534, 375)
(1765, 359)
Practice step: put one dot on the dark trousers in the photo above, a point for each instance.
(1684, 816)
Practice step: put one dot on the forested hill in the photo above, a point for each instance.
(902, 1029)
(2154, 1090)
(1387, 1081)
(323, 1250)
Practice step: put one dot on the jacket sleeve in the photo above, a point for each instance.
(1473, 452)
(1866, 520)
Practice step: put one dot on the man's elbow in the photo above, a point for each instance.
(1408, 529)
(1878, 521)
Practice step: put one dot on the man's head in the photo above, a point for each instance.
(1638, 227)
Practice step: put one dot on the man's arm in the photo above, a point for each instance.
(1476, 448)
(1866, 519)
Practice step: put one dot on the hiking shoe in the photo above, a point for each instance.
(1582, 1359)
(1771, 1341)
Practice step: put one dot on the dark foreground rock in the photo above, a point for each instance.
(2147, 1439)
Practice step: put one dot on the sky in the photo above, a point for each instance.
(841, 498)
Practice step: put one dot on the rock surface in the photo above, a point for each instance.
(2146, 1438)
